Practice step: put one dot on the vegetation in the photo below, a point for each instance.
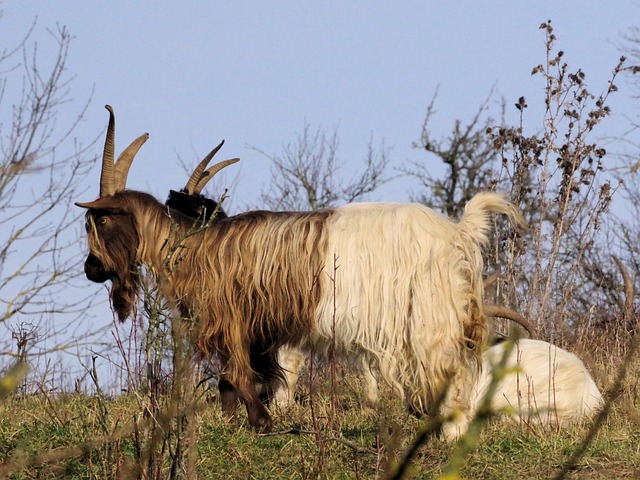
(41, 172)
(560, 274)
(84, 436)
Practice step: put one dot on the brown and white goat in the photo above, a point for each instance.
(192, 203)
(397, 283)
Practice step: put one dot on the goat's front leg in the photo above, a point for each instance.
(230, 395)
(456, 409)
(228, 398)
(241, 384)
(258, 415)
(243, 388)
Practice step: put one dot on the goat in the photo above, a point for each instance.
(192, 203)
(554, 383)
(542, 382)
(397, 283)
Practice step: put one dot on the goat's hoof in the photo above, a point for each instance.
(262, 425)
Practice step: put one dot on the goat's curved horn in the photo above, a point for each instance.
(491, 279)
(200, 177)
(211, 171)
(124, 161)
(199, 170)
(629, 289)
(504, 312)
(113, 177)
(107, 180)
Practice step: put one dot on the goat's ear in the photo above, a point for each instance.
(105, 203)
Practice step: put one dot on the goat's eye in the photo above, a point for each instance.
(102, 221)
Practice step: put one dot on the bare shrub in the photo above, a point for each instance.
(556, 172)
(41, 172)
(307, 175)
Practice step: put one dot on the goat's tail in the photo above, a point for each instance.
(475, 221)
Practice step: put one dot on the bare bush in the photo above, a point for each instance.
(557, 172)
(308, 174)
(468, 154)
(569, 196)
(41, 172)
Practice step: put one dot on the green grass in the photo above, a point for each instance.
(63, 437)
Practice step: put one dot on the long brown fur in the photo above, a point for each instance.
(252, 285)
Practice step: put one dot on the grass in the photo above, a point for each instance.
(63, 437)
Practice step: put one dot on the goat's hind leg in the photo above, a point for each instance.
(455, 410)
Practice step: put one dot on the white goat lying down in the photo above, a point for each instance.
(544, 382)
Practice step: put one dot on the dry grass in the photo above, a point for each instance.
(64, 437)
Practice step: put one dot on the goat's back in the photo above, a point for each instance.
(403, 283)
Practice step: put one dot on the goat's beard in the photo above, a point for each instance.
(124, 292)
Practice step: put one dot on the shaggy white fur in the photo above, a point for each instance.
(543, 383)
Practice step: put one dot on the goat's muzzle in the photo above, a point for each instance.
(94, 269)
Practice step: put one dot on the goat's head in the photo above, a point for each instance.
(112, 221)
(113, 243)
(111, 231)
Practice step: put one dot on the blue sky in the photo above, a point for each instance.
(192, 73)
(253, 73)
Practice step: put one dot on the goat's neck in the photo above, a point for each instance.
(162, 242)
